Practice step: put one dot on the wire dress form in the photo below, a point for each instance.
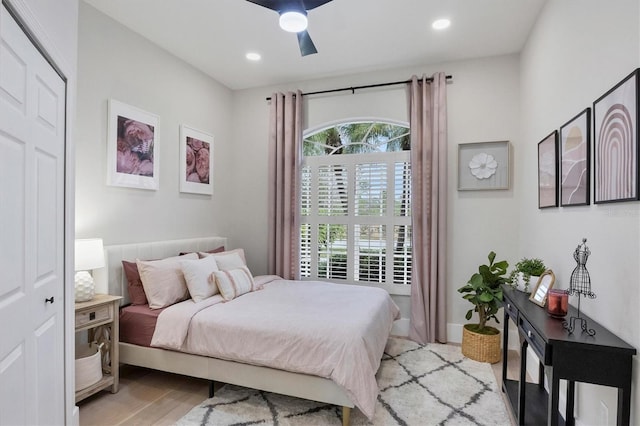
(580, 285)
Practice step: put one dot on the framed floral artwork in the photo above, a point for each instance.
(483, 166)
(575, 141)
(615, 143)
(548, 171)
(196, 161)
(132, 144)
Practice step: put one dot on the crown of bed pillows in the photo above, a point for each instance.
(196, 275)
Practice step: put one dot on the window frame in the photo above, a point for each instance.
(390, 220)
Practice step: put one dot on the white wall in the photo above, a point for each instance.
(578, 50)
(114, 62)
(483, 105)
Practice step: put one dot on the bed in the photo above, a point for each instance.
(223, 368)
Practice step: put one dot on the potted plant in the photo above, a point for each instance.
(526, 272)
(480, 341)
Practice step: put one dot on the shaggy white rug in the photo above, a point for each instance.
(432, 384)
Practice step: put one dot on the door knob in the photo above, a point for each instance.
(49, 300)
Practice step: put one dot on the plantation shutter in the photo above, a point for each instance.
(355, 219)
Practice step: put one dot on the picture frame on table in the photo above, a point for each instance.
(196, 161)
(548, 171)
(483, 166)
(575, 144)
(132, 147)
(615, 147)
(541, 290)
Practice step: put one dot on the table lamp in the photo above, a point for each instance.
(89, 256)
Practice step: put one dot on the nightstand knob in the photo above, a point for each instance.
(529, 333)
(49, 300)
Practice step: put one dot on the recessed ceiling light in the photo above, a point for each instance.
(441, 24)
(252, 56)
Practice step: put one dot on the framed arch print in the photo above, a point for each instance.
(196, 161)
(615, 147)
(548, 171)
(575, 141)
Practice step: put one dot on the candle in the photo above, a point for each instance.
(557, 303)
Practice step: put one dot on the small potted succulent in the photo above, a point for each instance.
(526, 273)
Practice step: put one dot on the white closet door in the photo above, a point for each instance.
(32, 152)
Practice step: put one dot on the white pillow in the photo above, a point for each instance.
(231, 259)
(197, 274)
(163, 281)
(234, 282)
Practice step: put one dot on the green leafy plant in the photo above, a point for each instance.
(528, 267)
(484, 291)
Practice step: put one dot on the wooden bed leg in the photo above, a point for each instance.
(346, 414)
(211, 388)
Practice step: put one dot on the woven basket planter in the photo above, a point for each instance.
(481, 347)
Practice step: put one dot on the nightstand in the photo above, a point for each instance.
(100, 317)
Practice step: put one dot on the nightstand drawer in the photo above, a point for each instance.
(93, 316)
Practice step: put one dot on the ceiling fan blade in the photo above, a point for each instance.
(269, 4)
(306, 45)
(312, 4)
(280, 5)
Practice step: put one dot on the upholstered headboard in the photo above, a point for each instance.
(111, 279)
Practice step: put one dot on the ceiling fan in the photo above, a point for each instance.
(293, 18)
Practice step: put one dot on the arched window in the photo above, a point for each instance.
(356, 204)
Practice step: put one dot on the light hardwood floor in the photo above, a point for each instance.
(149, 397)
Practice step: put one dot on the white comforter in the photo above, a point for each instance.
(329, 330)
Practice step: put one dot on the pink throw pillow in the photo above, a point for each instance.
(136, 291)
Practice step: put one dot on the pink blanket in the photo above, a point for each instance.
(329, 330)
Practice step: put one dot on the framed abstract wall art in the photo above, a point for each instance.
(615, 147)
(132, 144)
(548, 171)
(483, 165)
(196, 161)
(575, 141)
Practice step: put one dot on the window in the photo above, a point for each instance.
(355, 205)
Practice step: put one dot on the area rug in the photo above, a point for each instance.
(421, 385)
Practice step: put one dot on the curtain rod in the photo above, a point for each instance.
(368, 86)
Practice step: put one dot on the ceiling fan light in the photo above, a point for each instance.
(293, 22)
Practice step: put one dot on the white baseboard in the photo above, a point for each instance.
(401, 327)
(454, 333)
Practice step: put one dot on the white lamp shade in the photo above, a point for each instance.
(293, 22)
(89, 254)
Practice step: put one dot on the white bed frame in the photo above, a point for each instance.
(111, 280)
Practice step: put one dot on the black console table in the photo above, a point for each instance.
(603, 359)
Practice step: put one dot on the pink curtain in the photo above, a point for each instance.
(285, 141)
(428, 122)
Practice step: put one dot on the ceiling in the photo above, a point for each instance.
(351, 36)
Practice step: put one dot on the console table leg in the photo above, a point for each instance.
(571, 392)
(540, 375)
(554, 389)
(523, 381)
(505, 347)
(624, 405)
